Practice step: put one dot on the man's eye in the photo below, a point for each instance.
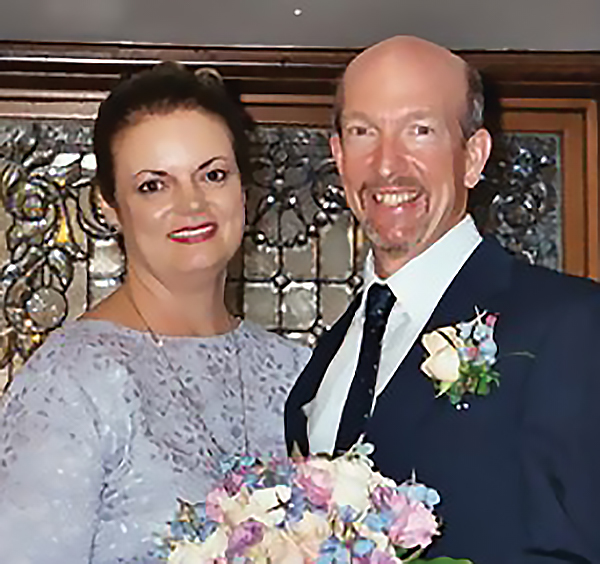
(357, 130)
(153, 185)
(216, 175)
(421, 129)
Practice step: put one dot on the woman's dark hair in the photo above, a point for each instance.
(165, 88)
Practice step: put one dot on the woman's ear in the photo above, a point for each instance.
(111, 215)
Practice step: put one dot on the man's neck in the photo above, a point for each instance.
(386, 262)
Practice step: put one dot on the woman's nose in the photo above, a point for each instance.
(190, 198)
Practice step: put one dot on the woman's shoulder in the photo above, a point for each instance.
(263, 337)
(273, 346)
(80, 359)
(82, 344)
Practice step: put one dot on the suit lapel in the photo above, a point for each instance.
(407, 408)
(309, 381)
(481, 283)
(485, 274)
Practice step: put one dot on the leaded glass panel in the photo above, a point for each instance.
(302, 253)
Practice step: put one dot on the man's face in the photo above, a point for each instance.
(405, 164)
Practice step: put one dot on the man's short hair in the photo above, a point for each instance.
(472, 119)
(470, 122)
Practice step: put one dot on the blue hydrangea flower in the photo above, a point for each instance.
(363, 548)
(334, 551)
(465, 329)
(483, 332)
(420, 493)
(296, 506)
(348, 514)
(488, 351)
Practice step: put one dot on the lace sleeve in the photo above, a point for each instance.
(51, 470)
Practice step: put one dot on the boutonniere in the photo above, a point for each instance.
(461, 358)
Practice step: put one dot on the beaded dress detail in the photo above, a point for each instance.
(103, 430)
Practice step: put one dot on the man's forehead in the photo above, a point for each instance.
(405, 74)
(396, 113)
(400, 51)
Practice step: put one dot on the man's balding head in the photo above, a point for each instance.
(394, 52)
(409, 145)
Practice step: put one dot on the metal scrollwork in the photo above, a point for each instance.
(302, 255)
(522, 187)
(46, 172)
(296, 188)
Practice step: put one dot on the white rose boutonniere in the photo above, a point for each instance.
(461, 358)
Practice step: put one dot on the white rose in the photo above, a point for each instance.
(381, 540)
(257, 506)
(351, 483)
(444, 362)
(263, 502)
(379, 480)
(190, 553)
(280, 548)
(309, 533)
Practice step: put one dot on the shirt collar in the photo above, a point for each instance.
(426, 277)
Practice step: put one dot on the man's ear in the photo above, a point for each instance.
(335, 144)
(478, 149)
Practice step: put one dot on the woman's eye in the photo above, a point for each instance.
(153, 185)
(216, 175)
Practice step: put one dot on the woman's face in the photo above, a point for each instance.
(179, 197)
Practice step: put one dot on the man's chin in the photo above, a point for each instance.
(404, 245)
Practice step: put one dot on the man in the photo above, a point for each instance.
(518, 469)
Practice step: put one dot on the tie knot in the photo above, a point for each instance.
(380, 301)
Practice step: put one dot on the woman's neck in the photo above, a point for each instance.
(145, 304)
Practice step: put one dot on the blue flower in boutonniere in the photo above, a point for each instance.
(461, 358)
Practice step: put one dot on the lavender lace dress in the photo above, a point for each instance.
(103, 430)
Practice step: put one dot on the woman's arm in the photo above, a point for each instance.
(51, 471)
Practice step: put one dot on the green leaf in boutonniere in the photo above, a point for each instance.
(461, 358)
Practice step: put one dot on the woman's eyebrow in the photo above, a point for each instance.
(163, 173)
(210, 161)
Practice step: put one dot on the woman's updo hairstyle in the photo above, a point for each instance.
(163, 89)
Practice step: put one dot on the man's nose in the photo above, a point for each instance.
(392, 157)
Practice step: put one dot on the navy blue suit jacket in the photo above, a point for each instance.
(519, 471)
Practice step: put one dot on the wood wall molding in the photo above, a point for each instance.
(528, 91)
(56, 66)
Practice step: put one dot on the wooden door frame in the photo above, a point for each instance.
(575, 121)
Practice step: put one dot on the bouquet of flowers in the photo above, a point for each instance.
(318, 510)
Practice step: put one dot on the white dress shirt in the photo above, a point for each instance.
(418, 286)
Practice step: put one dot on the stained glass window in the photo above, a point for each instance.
(302, 254)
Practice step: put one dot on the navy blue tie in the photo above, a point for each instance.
(359, 402)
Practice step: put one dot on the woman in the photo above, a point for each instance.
(125, 409)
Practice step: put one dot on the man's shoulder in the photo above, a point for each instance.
(543, 282)
(533, 282)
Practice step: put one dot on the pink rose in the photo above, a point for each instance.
(414, 526)
(316, 483)
(380, 557)
(213, 504)
(245, 535)
(382, 496)
(471, 353)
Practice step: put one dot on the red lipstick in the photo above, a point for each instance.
(194, 234)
